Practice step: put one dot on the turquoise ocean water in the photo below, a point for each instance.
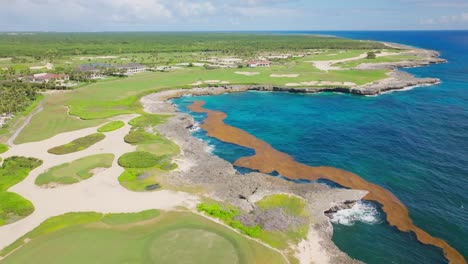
(414, 143)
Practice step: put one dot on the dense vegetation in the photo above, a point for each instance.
(53, 45)
(13, 206)
(77, 144)
(16, 96)
(75, 171)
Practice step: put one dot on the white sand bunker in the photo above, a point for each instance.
(322, 83)
(284, 75)
(210, 82)
(247, 73)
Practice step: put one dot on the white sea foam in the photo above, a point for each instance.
(361, 211)
(404, 89)
(210, 148)
(195, 127)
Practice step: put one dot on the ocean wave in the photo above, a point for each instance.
(210, 148)
(404, 89)
(195, 127)
(360, 212)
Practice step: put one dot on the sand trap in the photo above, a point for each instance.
(247, 73)
(284, 75)
(5, 59)
(293, 84)
(100, 193)
(197, 83)
(212, 81)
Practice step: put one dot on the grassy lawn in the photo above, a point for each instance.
(75, 171)
(394, 58)
(78, 144)
(3, 148)
(95, 102)
(53, 120)
(140, 159)
(112, 126)
(153, 156)
(174, 237)
(13, 207)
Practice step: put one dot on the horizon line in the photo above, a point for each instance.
(233, 31)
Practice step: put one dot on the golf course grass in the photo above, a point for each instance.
(95, 102)
(173, 237)
(75, 171)
(153, 156)
(112, 126)
(78, 144)
(13, 207)
(3, 148)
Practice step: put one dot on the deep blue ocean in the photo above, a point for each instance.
(414, 143)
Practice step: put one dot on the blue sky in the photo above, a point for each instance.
(207, 15)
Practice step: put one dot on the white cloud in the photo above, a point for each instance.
(453, 19)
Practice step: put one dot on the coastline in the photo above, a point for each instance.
(220, 181)
(157, 103)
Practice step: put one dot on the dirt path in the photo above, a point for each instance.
(26, 122)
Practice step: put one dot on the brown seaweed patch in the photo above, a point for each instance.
(267, 160)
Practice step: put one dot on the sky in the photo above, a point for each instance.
(231, 15)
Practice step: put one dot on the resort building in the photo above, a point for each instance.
(132, 68)
(94, 70)
(48, 77)
(259, 63)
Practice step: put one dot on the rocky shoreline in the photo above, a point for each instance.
(219, 180)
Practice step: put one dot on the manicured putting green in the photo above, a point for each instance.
(77, 144)
(112, 126)
(175, 237)
(75, 171)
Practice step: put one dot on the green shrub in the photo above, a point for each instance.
(371, 55)
(3, 148)
(112, 126)
(77, 144)
(227, 214)
(291, 204)
(138, 159)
